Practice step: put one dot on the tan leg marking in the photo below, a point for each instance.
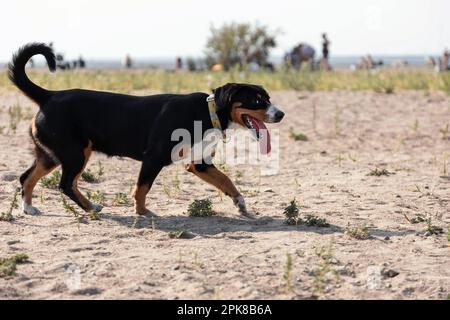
(39, 170)
(139, 194)
(84, 201)
(30, 182)
(217, 178)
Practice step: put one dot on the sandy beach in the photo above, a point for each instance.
(350, 134)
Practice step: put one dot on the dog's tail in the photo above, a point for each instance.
(16, 70)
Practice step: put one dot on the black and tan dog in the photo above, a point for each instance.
(71, 124)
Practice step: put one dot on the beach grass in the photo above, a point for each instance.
(127, 81)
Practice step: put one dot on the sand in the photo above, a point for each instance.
(350, 134)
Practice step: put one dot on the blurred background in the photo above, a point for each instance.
(199, 34)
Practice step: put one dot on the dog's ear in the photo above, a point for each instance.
(223, 96)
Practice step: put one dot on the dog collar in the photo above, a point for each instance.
(213, 115)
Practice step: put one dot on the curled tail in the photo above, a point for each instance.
(16, 70)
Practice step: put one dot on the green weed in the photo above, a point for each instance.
(200, 208)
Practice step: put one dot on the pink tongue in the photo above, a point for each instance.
(264, 141)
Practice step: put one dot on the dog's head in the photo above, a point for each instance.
(249, 106)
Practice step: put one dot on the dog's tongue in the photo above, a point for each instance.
(264, 140)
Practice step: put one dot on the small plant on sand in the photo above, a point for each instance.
(297, 136)
(287, 272)
(52, 181)
(121, 199)
(71, 210)
(176, 181)
(337, 121)
(291, 213)
(433, 229)
(313, 221)
(389, 89)
(324, 273)
(378, 173)
(8, 266)
(166, 189)
(200, 208)
(360, 232)
(135, 223)
(445, 132)
(352, 157)
(94, 215)
(297, 184)
(238, 175)
(419, 217)
(339, 159)
(197, 262)
(88, 176)
(217, 295)
(222, 166)
(314, 116)
(100, 169)
(91, 177)
(15, 115)
(96, 196)
(180, 234)
(7, 216)
(415, 127)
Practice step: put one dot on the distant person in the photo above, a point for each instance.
(369, 62)
(444, 60)
(325, 52)
(269, 67)
(81, 62)
(191, 65)
(31, 63)
(366, 62)
(179, 64)
(61, 63)
(128, 63)
(431, 62)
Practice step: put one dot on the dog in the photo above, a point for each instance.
(71, 124)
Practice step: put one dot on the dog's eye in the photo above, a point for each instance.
(257, 101)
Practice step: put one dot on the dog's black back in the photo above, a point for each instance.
(117, 124)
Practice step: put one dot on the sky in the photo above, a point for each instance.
(109, 29)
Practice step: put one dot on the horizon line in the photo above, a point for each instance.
(140, 57)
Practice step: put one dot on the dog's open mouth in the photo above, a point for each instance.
(259, 131)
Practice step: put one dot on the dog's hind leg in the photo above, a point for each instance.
(149, 172)
(73, 163)
(41, 166)
(212, 175)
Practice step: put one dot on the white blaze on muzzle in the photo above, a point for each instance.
(271, 114)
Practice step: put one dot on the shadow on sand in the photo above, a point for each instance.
(217, 224)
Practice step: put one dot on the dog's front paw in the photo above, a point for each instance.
(96, 207)
(29, 209)
(239, 202)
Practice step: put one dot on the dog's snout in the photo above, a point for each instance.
(273, 114)
(279, 115)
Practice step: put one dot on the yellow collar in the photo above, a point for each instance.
(213, 114)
